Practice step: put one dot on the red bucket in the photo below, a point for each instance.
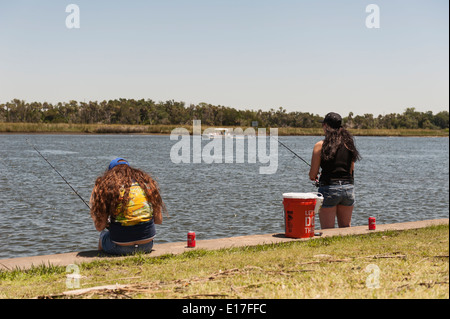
(299, 214)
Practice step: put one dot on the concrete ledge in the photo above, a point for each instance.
(211, 244)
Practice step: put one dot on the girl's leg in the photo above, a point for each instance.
(344, 215)
(327, 216)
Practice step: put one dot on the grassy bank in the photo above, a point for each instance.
(63, 128)
(408, 264)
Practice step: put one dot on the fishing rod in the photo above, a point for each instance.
(316, 182)
(58, 173)
(293, 152)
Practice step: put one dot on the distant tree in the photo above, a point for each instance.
(130, 111)
(441, 119)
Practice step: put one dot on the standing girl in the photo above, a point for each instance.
(336, 156)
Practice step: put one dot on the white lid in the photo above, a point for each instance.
(302, 195)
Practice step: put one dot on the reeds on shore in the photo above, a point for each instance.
(70, 128)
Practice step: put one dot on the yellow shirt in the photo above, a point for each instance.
(138, 209)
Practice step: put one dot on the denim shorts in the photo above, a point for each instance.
(109, 247)
(337, 195)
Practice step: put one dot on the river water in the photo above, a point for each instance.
(399, 179)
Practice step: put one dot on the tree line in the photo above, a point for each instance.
(149, 112)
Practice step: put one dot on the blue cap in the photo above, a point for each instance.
(116, 162)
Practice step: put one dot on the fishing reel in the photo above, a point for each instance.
(316, 182)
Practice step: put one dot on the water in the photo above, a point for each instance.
(398, 180)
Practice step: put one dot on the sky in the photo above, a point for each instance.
(306, 56)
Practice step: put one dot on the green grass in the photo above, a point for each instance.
(410, 264)
(64, 128)
(399, 132)
(85, 128)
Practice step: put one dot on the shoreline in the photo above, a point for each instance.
(176, 248)
(166, 130)
(395, 261)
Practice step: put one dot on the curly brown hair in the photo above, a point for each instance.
(106, 194)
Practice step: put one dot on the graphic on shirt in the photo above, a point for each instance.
(138, 209)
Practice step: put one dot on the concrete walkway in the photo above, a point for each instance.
(211, 244)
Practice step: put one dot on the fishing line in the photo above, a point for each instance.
(292, 152)
(58, 173)
(316, 182)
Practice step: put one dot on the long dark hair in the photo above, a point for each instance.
(106, 195)
(335, 138)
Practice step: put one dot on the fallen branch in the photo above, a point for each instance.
(326, 261)
(431, 284)
(94, 289)
(426, 284)
(255, 284)
(386, 256)
(205, 295)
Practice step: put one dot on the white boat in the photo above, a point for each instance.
(220, 133)
(226, 133)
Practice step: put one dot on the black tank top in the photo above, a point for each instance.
(338, 168)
